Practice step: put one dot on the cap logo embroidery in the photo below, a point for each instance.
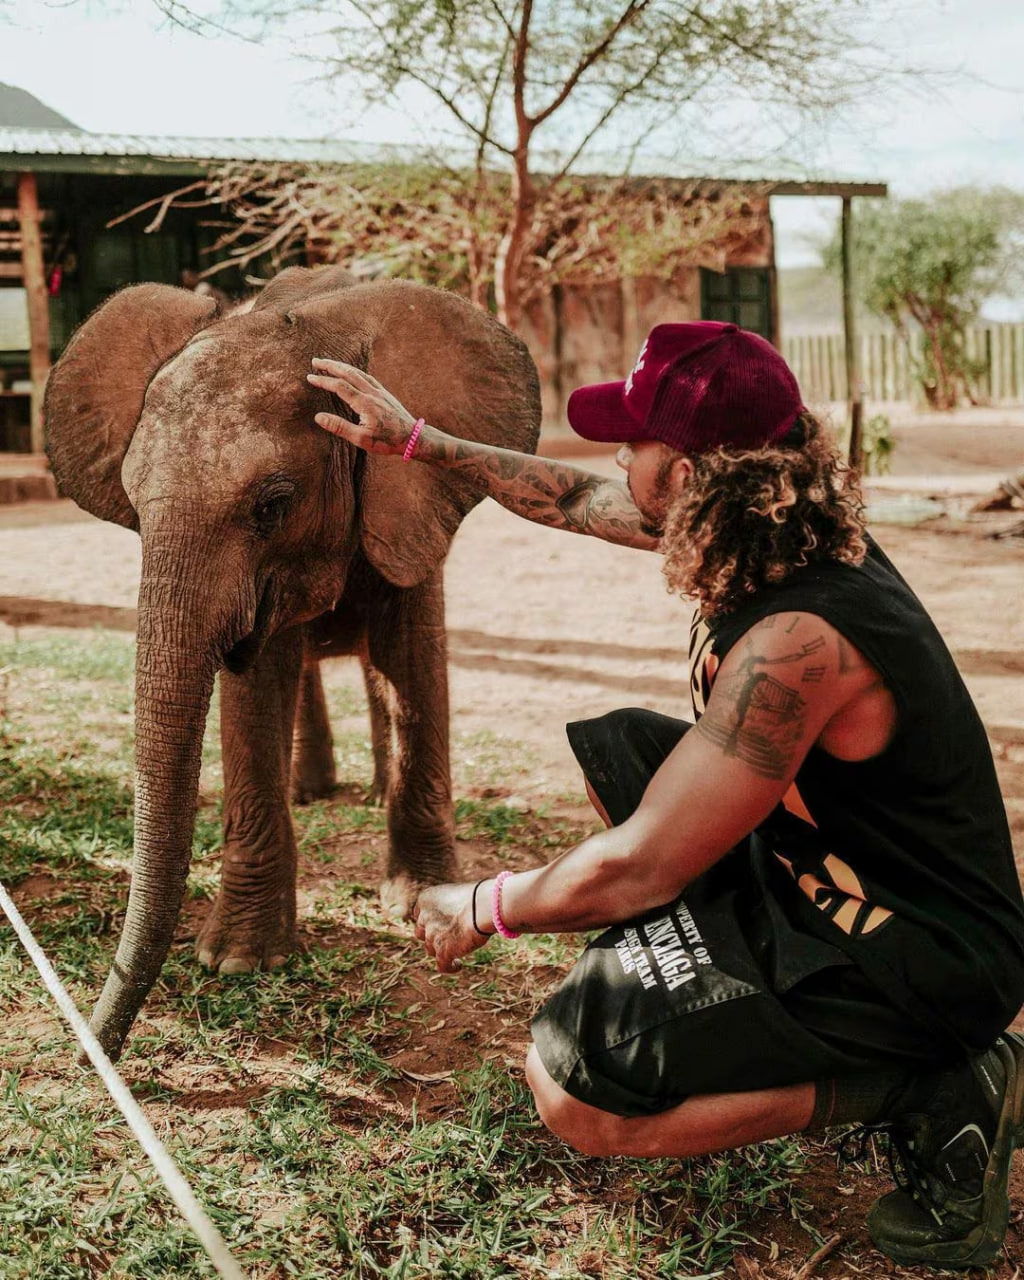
(640, 361)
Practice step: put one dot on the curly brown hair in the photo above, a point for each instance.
(749, 518)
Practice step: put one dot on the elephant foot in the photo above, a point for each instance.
(376, 795)
(244, 945)
(305, 791)
(398, 895)
(399, 891)
(313, 777)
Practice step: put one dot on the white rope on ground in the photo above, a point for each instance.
(179, 1190)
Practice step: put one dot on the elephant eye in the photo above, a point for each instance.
(272, 505)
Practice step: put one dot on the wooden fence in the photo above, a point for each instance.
(820, 365)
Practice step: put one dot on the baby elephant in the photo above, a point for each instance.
(266, 544)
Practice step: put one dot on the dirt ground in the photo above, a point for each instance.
(545, 628)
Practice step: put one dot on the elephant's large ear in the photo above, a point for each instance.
(95, 391)
(448, 362)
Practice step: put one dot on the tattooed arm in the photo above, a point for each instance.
(544, 490)
(786, 685)
(538, 489)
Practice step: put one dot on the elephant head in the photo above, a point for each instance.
(196, 429)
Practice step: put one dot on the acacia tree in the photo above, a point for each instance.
(530, 85)
(927, 266)
(428, 224)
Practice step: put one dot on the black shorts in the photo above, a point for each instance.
(699, 996)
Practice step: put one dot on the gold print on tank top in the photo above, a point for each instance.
(834, 888)
(703, 665)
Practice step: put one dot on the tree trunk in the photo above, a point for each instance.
(945, 394)
(515, 243)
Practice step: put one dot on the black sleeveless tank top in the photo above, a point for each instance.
(906, 866)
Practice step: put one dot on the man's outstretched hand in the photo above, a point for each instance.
(444, 921)
(384, 424)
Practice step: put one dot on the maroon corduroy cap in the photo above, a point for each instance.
(696, 387)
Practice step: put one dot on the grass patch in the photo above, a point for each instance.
(354, 1115)
(92, 655)
(486, 759)
(298, 1191)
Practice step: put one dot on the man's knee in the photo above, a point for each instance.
(588, 1129)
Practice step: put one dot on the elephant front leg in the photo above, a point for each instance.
(252, 922)
(407, 645)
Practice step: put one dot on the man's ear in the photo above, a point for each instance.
(682, 469)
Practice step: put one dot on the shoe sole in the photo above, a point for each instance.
(982, 1245)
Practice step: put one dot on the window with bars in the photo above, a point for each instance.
(738, 295)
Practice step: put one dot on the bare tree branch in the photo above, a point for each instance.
(174, 199)
(619, 101)
(501, 69)
(590, 58)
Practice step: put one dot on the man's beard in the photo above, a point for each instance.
(653, 517)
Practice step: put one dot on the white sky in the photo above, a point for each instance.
(122, 68)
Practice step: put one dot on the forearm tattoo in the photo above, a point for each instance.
(759, 717)
(551, 493)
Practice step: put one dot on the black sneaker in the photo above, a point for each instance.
(954, 1148)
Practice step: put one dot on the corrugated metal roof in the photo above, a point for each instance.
(65, 142)
(137, 153)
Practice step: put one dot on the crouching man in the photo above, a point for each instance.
(811, 907)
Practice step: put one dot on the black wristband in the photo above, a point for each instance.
(475, 925)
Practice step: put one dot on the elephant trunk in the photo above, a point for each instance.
(173, 686)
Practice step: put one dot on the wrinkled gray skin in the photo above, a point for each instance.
(267, 544)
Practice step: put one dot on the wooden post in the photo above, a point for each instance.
(630, 311)
(33, 275)
(855, 407)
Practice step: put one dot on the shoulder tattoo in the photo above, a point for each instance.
(756, 712)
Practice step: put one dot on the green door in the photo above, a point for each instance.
(738, 295)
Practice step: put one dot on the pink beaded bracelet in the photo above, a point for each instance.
(496, 916)
(410, 448)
